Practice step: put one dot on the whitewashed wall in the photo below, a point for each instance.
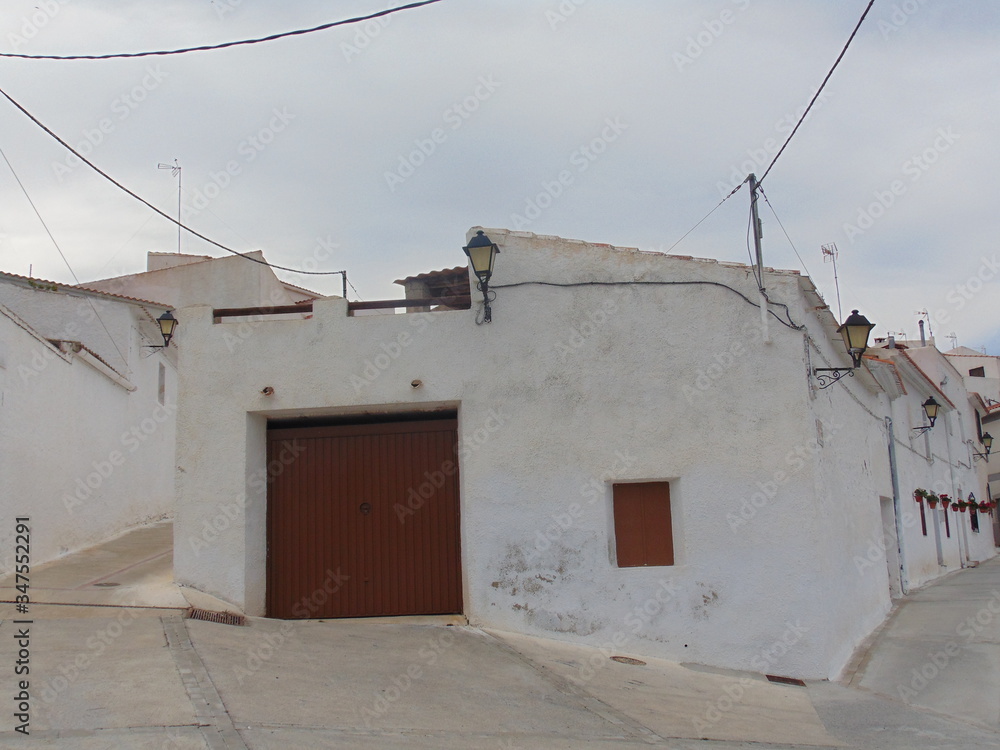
(80, 454)
(568, 390)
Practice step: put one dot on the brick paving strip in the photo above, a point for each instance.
(216, 724)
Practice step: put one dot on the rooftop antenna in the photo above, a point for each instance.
(830, 253)
(953, 338)
(175, 171)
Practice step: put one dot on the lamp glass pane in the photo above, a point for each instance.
(482, 259)
(931, 409)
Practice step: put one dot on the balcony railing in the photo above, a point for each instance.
(459, 303)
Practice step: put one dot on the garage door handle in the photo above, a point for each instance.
(365, 508)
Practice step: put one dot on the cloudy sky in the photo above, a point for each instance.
(374, 147)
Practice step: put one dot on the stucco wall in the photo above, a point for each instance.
(567, 391)
(223, 282)
(80, 454)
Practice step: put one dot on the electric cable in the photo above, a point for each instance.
(818, 92)
(224, 45)
(146, 203)
(785, 231)
(731, 194)
(65, 260)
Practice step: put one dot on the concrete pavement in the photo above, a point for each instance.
(135, 674)
(940, 649)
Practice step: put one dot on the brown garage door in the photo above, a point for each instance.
(363, 520)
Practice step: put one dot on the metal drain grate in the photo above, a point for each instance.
(785, 680)
(225, 618)
(107, 584)
(628, 660)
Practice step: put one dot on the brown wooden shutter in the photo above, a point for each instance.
(643, 529)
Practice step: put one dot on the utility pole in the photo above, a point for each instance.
(758, 233)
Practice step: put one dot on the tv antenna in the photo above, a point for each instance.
(953, 338)
(175, 171)
(830, 253)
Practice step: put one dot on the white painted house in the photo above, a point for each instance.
(87, 409)
(629, 456)
(87, 415)
(938, 459)
(981, 373)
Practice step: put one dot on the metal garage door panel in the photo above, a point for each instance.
(365, 521)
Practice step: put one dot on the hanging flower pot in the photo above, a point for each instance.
(932, 503)
(919, 495)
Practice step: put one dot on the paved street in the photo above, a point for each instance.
(118, 666)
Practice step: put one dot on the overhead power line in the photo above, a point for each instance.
(703, 218)
(818, 91)
(63, 256)
(146, 203)
(224, 45)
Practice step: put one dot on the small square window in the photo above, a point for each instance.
(978, 372)
(643, 529)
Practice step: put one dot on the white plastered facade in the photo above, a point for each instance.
(775, 485)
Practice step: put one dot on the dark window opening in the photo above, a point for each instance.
(978, 372)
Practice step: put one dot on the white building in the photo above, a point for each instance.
(938, 459)
(87, 415)
(628, 456)
(87, 408)
(981, 373)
